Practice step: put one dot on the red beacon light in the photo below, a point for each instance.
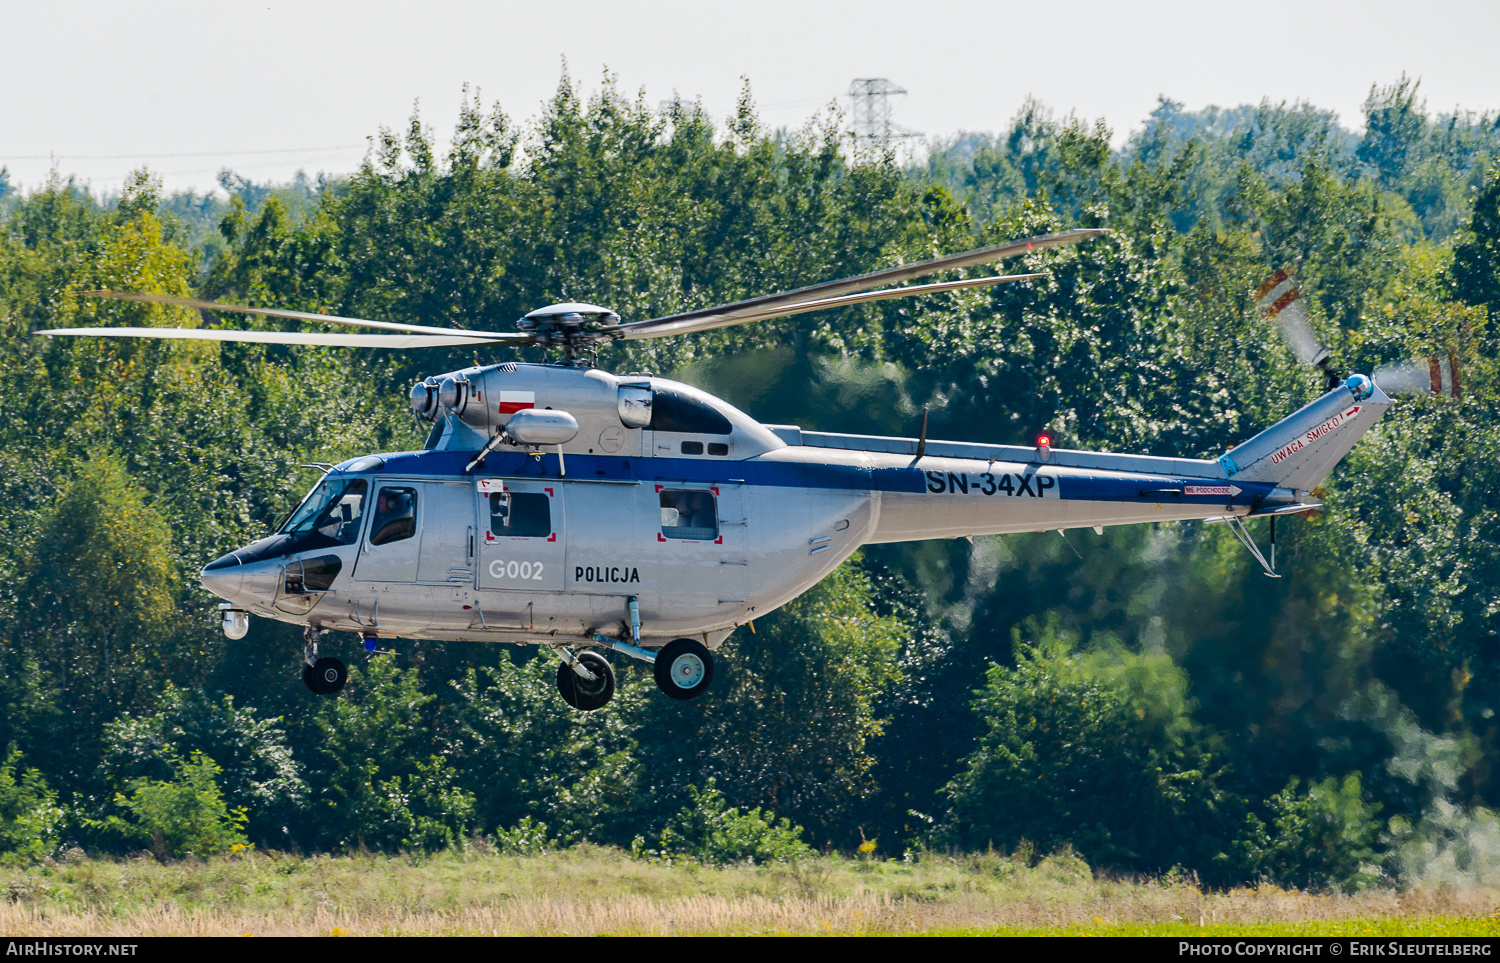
(1043, 446)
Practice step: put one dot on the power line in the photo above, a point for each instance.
(206, 153)
(788, 104)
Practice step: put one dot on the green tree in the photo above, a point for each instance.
(1067, 738)
(526, 756)
(97, 613)
(183, 817)
(1395, 125)
(1321, 839)
(30, 819)
(262, 779)
(712, 831)
(1476, 257)
(377, 783)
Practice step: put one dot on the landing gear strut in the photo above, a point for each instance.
(323, 676)
(590, 688)
(683, 669)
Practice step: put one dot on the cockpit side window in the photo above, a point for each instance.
(333, 510)
(676, 411)
(689, 514)
(520, 515)
(395, 515)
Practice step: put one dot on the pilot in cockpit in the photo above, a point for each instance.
(340, 520)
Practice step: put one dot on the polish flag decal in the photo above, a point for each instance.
(514, 401)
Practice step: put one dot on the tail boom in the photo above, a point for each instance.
(944, 489)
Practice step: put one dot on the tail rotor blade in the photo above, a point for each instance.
(1437, 375)
(1407, 378)
(1291, 319)
(1281, 300)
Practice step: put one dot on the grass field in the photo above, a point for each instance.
(589, 890)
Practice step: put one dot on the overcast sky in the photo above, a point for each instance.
(266, 88)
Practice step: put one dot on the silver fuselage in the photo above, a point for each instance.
(776, 509)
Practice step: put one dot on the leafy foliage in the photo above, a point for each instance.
(712, 831)
(30, 819)
(574, 773)
(376, 784)
(526, 838)
(826, 656)
(1321, 839)
(262, 778)
(185, 816)
(1066, 739)
(97, 608)
(1476, 258)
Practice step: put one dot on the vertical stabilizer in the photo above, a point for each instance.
(1301, 449)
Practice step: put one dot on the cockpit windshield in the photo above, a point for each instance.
(331, 509)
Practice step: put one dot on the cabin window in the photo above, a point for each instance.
(311, 575)
(520, 514)
(334, 510)
(395, 516)
(692, 448)
(689, 514)
(718, 448)
(673, 410)
(304, 582)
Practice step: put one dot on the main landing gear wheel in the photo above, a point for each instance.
(580, 693)
(325, 676)
(684, 669)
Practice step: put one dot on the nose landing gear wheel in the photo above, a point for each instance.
(325, 676)
(683, 669)
(579, 692)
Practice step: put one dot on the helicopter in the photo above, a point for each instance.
(560, 505)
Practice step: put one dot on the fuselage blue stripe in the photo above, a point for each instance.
(1074, 484)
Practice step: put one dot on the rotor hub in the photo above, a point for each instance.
(571, 324)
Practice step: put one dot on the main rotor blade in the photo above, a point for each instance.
(306, 316)
(395, 341)
(755, 309)
(826, 303)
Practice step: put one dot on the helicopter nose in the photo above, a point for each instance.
(224, 576)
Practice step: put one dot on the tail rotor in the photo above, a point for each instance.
(1280, 299)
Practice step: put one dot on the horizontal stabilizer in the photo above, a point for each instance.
(1296, 509)
(1301, 449)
